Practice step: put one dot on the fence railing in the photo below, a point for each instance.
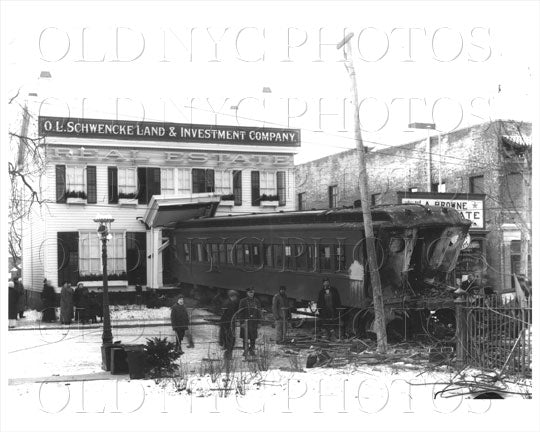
(495, 334)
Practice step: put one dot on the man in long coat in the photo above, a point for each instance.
(328, 304)
(21, 296)
(48, 297)
(227, 323)
(12, 304)
(179, 321)
(249, 313)
(66, 304)
(280, 310)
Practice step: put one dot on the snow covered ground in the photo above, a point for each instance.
(47, 367)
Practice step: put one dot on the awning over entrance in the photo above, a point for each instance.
(166, 211)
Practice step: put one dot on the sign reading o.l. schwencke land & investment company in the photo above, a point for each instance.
(160, 131)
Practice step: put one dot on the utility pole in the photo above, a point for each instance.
(378, 303)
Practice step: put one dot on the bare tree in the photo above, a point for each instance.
(25, 169)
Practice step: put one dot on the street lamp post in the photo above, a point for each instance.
(106, 337)
(428, 127)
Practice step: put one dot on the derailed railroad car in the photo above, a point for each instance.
(417, 248)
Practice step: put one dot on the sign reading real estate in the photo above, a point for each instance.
(471, 206)
(177, 132)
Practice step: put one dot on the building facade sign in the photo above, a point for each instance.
(176, 158)
(175, 132)
(471, 206)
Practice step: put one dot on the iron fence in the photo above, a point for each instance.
(497, 334)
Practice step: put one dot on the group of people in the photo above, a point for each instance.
(248, 313)
(17, 300)
(79, 304)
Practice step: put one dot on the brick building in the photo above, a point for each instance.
(483, 170)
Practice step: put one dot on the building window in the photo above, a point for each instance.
(223, 182)
(149, 184)
(332, 196)
(202, 180)
(127, 183)
(167, 181)
(75, 179)
(112, 178)
(376, 199)
(476, 184)
(184, 181)
(281, 187)
(90, 254)
(237, 187)
(268, 183)
(302, 201)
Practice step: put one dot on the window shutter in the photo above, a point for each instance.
(255, 188)
(141, 186)
(91, 187)
(112, 174)
(60, 183)
(237, 187)
(197, 180)
(209, 180)
(154, 182)
(281, 187)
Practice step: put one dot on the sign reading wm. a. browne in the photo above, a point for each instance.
(156, 131)
(471, 206)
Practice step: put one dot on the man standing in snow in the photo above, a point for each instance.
(179, 321)
(280, 310)
(250, 315)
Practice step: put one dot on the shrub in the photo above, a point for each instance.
(160, 357)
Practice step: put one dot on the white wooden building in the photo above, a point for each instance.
(147, 176)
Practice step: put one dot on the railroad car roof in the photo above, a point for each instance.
(405, 215)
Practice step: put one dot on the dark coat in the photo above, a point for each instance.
(250, 312)
(21, 296)
(12, 303)
(227, 324)
(327, 311)
(280, 307)
(66, 305)
(48, 297)
(179, 317)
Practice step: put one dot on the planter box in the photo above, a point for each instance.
(76, 200)
(99, 284)
(269, 203)
(227, 203)
(128, 201)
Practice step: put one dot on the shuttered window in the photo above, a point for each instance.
(60, 183)
(255, 188)
(91, 185)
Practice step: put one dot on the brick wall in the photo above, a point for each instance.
(457, 156)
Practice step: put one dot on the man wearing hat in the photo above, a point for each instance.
(280, 309)
(227, 323)
(328, 304)
(179, 321)
(250, 315)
